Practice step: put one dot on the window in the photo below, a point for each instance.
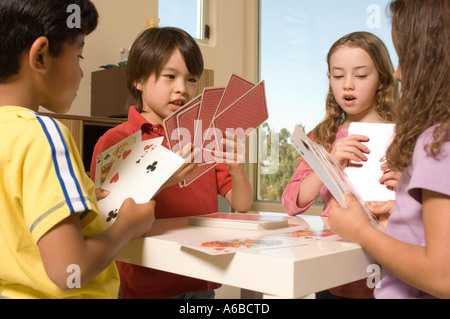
(189, 15)
(295, 37)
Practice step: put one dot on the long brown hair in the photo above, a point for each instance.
(152, 49)
(387, 96)
(421, 32)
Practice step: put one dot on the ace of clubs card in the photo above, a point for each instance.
(139, 176)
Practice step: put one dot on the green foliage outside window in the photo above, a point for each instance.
(271, 186)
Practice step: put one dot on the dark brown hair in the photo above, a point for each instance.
(421, 32)
(152, 49)
(387, 96)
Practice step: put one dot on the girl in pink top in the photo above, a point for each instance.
(362, 89)
(414, 249)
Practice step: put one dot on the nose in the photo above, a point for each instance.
(349, 83)
(181, 87)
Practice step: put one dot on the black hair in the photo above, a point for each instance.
(23, 21)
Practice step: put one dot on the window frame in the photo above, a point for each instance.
(253, 146)
(203, 24)
(203, 19)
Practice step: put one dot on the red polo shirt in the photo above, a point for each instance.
(197, 199)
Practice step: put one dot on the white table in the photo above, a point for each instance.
(290, 272)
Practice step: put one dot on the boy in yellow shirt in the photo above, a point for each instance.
(51, 242)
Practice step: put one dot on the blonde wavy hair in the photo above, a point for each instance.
(387, 96)
(421, 32)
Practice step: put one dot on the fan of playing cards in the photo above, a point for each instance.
(137, 169)
(240, 108)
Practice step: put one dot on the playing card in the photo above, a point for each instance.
(328, 170)
(191, 123)
(313, 155)
(208, 107)
(187, 120)
(105, 160)
(170, 124)
(240, 107)
(126, 151)
(139, 176)
(365, 175)
(236, 87)
(243, 116)
(200, 170)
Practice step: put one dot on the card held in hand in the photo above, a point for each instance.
(328, 170)
(106, 160)
(365, 175)
(139, 176)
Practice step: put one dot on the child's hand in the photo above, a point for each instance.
(349, 223)
(101, 193)
(351, 148)
(234, 154)
(382, 210)
(137, 218)
(390, 178)
(190, 155)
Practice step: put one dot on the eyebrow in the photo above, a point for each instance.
(168, 68)
(356, 68)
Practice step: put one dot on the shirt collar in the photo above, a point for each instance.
(140, 122)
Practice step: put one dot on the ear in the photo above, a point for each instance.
(39, 54)
(329, 76)
(138, 85)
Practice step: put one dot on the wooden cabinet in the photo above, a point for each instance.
(110, 96)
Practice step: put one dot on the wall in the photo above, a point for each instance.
(121, 21)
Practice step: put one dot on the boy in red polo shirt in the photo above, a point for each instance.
(162, 70)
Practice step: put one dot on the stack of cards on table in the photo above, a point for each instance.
(133, 169)
(240, 107)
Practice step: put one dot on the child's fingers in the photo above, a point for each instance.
(229, 157)
(101, 193)
(190, 154)
(334, 204)
(233, 150)
(381, 208)
(350, 200)
(186, 151)
(357, 141)
(351, 148)
(390, 179)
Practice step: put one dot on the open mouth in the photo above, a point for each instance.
(177, 103)
(349, 98)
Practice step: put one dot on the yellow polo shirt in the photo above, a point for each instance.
(42, 182)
